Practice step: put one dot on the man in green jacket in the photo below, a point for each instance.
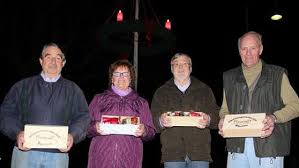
(257, 87)
(184, 147)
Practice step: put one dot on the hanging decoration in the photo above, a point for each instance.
(120, 16)
(168, 24)
(153, 38)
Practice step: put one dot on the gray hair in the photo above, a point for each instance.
(258, 36)
(52, 45)
(177, 55)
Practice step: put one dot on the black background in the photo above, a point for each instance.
(206, 30)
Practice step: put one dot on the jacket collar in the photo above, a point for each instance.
(264, 77)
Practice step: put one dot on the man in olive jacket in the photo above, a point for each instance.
(258, 87)
(184, 146)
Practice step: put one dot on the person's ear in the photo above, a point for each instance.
(41, 61)
(261, 50)
(63, 63)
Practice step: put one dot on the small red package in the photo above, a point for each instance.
(110, 119)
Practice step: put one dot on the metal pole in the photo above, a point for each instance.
(247, 15)
(136, 44)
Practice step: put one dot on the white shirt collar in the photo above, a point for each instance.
(183, 88)
(47, 79)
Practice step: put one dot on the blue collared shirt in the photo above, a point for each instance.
(184, 87)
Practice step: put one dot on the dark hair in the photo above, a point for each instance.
(122, 63)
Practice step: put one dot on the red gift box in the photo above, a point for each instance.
(110, 120)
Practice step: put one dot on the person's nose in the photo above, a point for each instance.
(52, 60)
(122, 75)
(181, 66)
(249, 52)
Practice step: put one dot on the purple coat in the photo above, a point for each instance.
(119, 151)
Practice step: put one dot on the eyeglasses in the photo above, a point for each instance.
(121, 74)
(177, 65)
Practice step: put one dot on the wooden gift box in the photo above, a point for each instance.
(184, 119)
(123, 125)
(243, 125)
(45, 136)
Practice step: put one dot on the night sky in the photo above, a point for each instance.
(207, 31)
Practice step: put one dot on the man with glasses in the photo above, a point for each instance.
(184, 147)
(44, 99)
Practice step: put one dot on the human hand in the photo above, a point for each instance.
(165, 121)
(220, 126)
(70, 142)
(268, 126)
(204, 122)
(140, 131)
(20, 141)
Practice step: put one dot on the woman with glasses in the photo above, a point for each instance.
(119, 150)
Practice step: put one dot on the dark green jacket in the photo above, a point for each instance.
(177, 142)
(265, 99)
